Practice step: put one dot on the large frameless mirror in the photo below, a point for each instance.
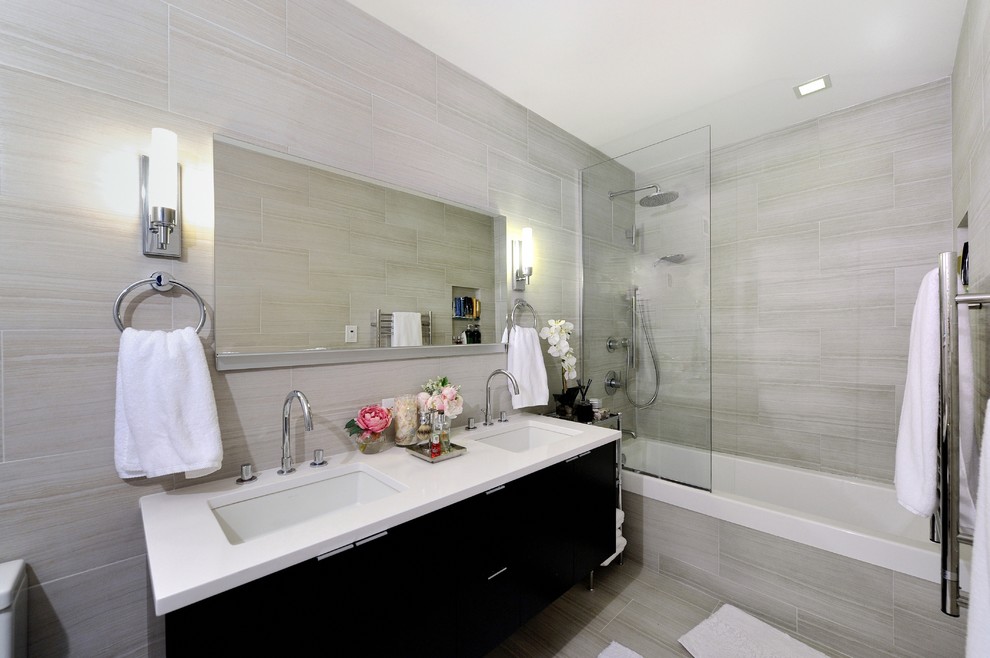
(317, 265)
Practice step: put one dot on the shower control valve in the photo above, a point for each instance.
(612, 382)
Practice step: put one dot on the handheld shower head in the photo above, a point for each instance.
(673, 258)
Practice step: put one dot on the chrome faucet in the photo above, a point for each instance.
(286, 408)
(488, 392)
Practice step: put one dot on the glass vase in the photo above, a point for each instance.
(371, 442)
(406, 418)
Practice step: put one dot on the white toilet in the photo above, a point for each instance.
(13, 609)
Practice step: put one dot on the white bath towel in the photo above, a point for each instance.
(731, 632)
(978, 630)
(915, 473)
(407, 329)
(166, 415)
(525, 362)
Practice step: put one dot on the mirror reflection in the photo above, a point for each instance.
(310, 258)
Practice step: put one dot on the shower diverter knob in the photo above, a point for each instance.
(612, 382)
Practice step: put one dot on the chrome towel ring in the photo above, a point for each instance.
(523, 304)
(162, 282)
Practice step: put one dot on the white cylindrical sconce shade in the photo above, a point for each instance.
(162, 169)
(527, 251)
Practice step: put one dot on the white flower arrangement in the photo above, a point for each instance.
(557, 333)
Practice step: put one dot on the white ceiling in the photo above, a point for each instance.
(622, 74)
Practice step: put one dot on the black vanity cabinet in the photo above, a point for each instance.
(486, 539)
(455, 582)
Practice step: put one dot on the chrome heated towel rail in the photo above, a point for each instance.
(945, 522)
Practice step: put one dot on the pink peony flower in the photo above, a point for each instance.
(374, 418)
(437, 403)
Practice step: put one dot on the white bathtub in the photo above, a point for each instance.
(854, 518)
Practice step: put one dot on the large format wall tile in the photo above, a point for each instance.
(118, 47)
(261, 21)
(414, 151)
(112, 598)
(70, 513)
(255, 91)
(469, 106)
(333, 36)
(518, 188)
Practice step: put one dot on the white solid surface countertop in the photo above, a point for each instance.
(190, 557)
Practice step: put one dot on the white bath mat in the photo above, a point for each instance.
(731, 632)
(616, 650)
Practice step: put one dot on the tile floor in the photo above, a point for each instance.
(639, 608)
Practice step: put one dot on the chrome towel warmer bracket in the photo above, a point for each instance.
(162, 282)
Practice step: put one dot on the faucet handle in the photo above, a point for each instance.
(502, 417)
(471, 424)
(318, 458)
(247, 474)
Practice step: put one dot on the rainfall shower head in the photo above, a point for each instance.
(656, 198)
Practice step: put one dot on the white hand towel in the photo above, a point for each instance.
(978, 630)
(407, 329)
(166, 415)
(525, 362)
(915, 472)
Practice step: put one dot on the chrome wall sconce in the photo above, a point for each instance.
(161, 196)
(522, 260)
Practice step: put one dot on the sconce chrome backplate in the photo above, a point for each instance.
(156, 220)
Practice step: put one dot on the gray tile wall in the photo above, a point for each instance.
(80, 89)
(971, 173)
(821, 234)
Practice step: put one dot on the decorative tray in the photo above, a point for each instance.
(422, 450)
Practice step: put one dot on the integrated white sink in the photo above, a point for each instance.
(523, 438)
(260, 509)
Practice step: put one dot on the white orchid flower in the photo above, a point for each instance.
(557, 334)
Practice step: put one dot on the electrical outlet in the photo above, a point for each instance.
(350, 333)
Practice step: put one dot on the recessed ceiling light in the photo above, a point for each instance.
(811, 86)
